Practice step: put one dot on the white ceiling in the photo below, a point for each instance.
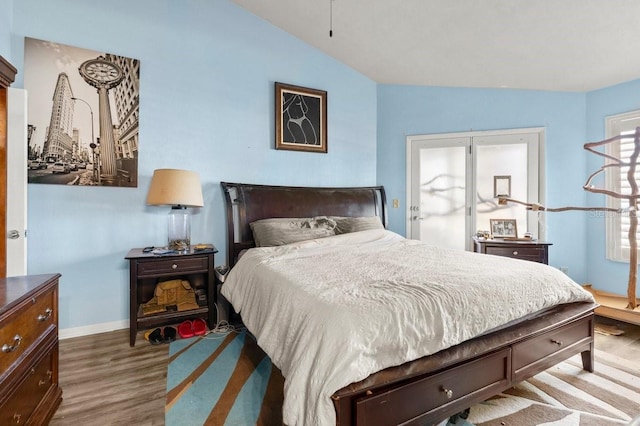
(564, 45)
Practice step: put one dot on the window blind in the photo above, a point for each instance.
(618, 224)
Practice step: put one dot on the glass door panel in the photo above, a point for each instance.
(439, 212)
(506, 157)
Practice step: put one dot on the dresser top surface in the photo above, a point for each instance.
(15, 289)
(511, 242)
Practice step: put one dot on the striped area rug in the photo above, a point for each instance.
(567, 395)
(222, 380)
(228, 380)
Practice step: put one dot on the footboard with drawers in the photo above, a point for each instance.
(432, 388)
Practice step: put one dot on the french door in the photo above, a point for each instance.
(451, 183)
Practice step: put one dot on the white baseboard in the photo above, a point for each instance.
(222, 312)
(87, 330)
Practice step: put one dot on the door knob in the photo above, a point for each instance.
(13, 234)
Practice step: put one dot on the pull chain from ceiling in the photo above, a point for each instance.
(330, 18)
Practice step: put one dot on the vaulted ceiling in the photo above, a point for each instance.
(563, 45)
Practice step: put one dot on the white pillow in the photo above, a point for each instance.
(280, 231)
(345, 225)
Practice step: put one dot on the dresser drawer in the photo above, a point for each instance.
(419, 402)
(536, 353)
(39, 379)
(24, 327)
(189, 265)
(535, 254)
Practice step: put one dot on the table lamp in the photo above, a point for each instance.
(179, 189)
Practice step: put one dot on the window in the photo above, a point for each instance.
(617, 225)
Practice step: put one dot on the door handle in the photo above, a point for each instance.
(13, 234)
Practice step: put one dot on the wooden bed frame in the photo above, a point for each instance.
(432, 388)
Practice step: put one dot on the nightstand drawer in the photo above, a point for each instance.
(191, 264)
(25, 326)
(535, 254)
(534, 251)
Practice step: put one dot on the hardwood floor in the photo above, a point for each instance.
(626, 345)
(106, 382)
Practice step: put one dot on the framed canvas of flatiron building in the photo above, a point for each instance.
(83, 112)
(301, 118)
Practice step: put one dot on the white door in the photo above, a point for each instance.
(439, 196)
(450, 183)
(17, 182)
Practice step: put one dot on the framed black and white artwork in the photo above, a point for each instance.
(301, 118)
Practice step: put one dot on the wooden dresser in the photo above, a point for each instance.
(29, 391)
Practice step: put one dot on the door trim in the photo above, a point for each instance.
(17, 181)
(7, 76)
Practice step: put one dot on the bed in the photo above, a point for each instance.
(429, 379)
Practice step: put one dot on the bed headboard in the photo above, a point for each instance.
(246, 203)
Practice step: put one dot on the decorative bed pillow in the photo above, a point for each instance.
(344, 225)
(280, 231)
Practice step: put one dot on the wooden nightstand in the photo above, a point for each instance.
(535, 251)
(147, 269)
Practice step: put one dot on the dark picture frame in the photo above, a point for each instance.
(504, 228)
(301, 118)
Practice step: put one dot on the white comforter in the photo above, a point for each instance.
(331, 311)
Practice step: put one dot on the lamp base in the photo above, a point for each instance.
(179, 229)
(179, 245)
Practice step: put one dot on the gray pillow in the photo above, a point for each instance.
(344, 225)
(280, 231)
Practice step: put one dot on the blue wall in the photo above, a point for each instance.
(606, 274)
(207, 81)
(207, 74)
(6, 17)
(410, 110)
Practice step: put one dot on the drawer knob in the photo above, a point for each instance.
(16, 418)
(557, 342)
(46, 315)
(515, 252)
(17, 339)
(447, 392)
(174, 266)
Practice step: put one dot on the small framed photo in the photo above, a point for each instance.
(501, 186)
(503, 228)
(301, 118)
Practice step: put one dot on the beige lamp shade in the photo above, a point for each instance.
(173, 187)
